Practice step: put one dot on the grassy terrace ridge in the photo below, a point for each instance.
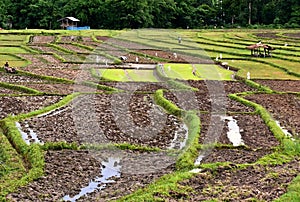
(20, 163)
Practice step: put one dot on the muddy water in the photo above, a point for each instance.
(199, 159)
(54, 112)
(110, 169)
(233, 134)
(195, 170)
(180, 138)
(30, 136)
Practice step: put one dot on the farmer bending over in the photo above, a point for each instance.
(9, 69)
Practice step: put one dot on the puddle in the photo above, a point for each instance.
(199, 159)
(53, 112)
(30, 136)
(233, 134)
(110, 169)
(180, 138)
(195, 170)
(284, 130)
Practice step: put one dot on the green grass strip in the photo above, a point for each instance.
(265, 115)
(32, 155)
(61, 103)
(189, 153)
(99, 86)
(121, 146)
(55, 55)
(255, 85)
(276, 158)
(75, 146)
(289, 146)
(115, 60)
(83, 46)
(30, 50)
(46, 78)
(166, 104)
(19, 88)
(11, 168)
(292, 194)
(59, 146)
(61, 48)
(160, 188)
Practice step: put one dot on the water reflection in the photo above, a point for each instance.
(110, 169)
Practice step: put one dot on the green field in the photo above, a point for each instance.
(203, 71)
(127, 75)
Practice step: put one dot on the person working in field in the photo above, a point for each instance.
(9, 69)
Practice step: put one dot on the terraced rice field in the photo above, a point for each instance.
(137, 115)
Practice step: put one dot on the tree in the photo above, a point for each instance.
(119, 14)
(163, 12)
(5, 18)
(128, 14)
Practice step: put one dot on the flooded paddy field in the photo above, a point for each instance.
(98, 139)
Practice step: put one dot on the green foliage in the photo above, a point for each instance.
(83, 46)
(214, 166)
(36, 160)
(145, 14)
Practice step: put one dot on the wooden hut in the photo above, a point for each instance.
(68, 22)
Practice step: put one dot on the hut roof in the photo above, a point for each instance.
(69, 18)
(254, 46)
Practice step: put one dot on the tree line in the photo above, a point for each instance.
(120, 14)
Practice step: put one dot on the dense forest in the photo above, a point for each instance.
(118, 14)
